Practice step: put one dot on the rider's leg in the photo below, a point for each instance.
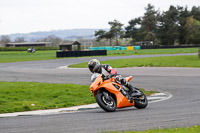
(134, 92)
(131, 89)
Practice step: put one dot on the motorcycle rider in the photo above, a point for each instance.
(108, 72)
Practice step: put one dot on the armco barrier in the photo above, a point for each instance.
(60, 54)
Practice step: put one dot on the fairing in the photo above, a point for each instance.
(98, 84)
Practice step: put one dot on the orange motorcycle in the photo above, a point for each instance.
(110, 95)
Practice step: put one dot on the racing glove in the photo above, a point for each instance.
(108, 76)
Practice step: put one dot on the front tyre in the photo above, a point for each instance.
(107, 103)
(141, 102)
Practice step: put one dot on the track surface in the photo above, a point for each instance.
(182, 110)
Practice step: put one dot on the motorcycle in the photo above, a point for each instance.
(31, 50)
(111, 95)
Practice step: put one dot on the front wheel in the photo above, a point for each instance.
(106, 101)
(141, 102)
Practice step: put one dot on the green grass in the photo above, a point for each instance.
(194, 129)
(148, 93)
(27, 96)
(167, 61)
(16, 56)
(152, 51)
(25, 48)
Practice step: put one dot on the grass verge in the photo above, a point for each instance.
(152, 51)
(167, 61)
(194, 129)
(27, 96)
(25, 48)
(16, 56)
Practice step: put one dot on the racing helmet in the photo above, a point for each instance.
(94, 66)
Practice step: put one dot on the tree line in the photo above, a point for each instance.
(177, 25)
(51, 38)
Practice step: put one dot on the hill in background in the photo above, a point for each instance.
(68, 34)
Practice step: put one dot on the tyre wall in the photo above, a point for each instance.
(60, 54)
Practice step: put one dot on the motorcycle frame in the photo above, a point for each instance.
(108, 85)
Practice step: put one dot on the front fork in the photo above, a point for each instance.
(106, 96)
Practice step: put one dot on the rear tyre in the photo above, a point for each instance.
(141, 102)
(108, 105)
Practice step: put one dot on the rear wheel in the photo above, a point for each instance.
(141, 102)
(106, 101)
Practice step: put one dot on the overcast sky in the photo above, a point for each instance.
(23, 16)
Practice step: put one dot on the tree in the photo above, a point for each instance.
(195, 12)
(150, 36)
(183, 14)
(168, 26)
(109, 36)
(149, 21)
(20, 39)
(190, 30)
(143, 28)
(177, 24)
(5, 39)
(53, 39)
(132, 29)
(192, 27)
(197, 32)
(116, 30)
(102, 34)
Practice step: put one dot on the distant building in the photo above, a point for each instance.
(68, 46)
(28, 44)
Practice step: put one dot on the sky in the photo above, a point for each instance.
(24, 16)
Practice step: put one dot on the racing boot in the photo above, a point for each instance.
(134, 93)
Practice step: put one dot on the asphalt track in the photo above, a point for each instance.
(182, 110)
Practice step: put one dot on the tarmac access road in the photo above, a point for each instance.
(182, 110)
